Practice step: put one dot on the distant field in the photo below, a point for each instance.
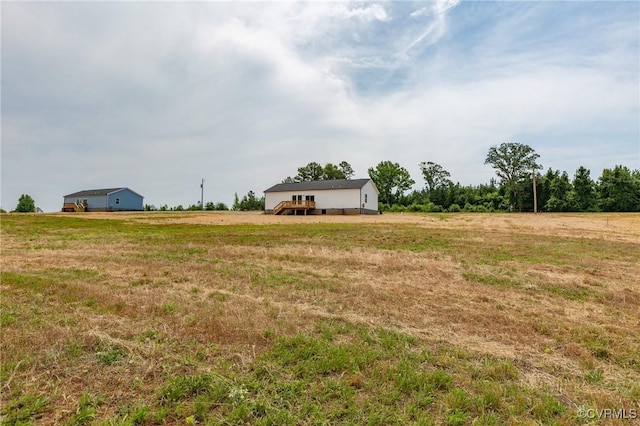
(227, 318)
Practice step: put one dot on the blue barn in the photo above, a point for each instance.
(103, 200)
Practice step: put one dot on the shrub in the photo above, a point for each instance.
(414, 207)
(397, 208)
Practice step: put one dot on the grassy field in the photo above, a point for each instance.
(247, 319)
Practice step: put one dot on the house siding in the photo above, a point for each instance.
(128, 201)
(369, 198)
(93, 203)
(325, 199)
(362, 200)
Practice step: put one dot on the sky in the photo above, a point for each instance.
(156, 96)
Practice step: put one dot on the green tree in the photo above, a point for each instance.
(619, 190)
(248, 203)
(195, 207)
(392, 181)
(544, 187)
(216, 206)
(25, 204)
(314, 171)
(513, 162)
(559, 200)
(440, 189)
(584, 190)
(435, 176)
(310, 172)
(346, 169)
(331, 172)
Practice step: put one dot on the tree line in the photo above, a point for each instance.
(515, 164)
(248, 202)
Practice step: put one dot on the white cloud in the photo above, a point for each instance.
(156, 96)
(370, 12)
(437, 7)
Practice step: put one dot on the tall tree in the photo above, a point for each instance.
(584, 190)
(26, 204)
(312, 171)
(331, 172)
(248, 202)
(560, 187)
(391, 179)
(513, 162)
(346, 169)
(435, 176)
(544, 187)
(618, 190)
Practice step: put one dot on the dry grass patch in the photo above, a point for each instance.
(392, 320)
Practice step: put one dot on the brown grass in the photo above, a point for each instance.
(228, 299)
(610, 226)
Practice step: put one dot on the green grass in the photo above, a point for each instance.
(24, 409)
(123, 322)
(341, 374)
(86, 411)
(496, 280)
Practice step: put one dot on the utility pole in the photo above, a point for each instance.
(202, 194)
(535, 195)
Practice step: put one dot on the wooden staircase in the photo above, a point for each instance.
(74, 207)
(295, 206)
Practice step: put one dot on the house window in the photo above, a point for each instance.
(117, 200)
(310, 197)
(365, 198)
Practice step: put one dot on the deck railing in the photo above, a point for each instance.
(73, 207)
(294, 205)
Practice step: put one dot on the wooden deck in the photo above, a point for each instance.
(73, 207)
(294, 206)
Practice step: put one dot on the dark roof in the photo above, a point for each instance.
(318, 185)
(97, 192)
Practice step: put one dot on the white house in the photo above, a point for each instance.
(352, 196)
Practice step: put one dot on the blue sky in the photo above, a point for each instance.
(158, 95)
